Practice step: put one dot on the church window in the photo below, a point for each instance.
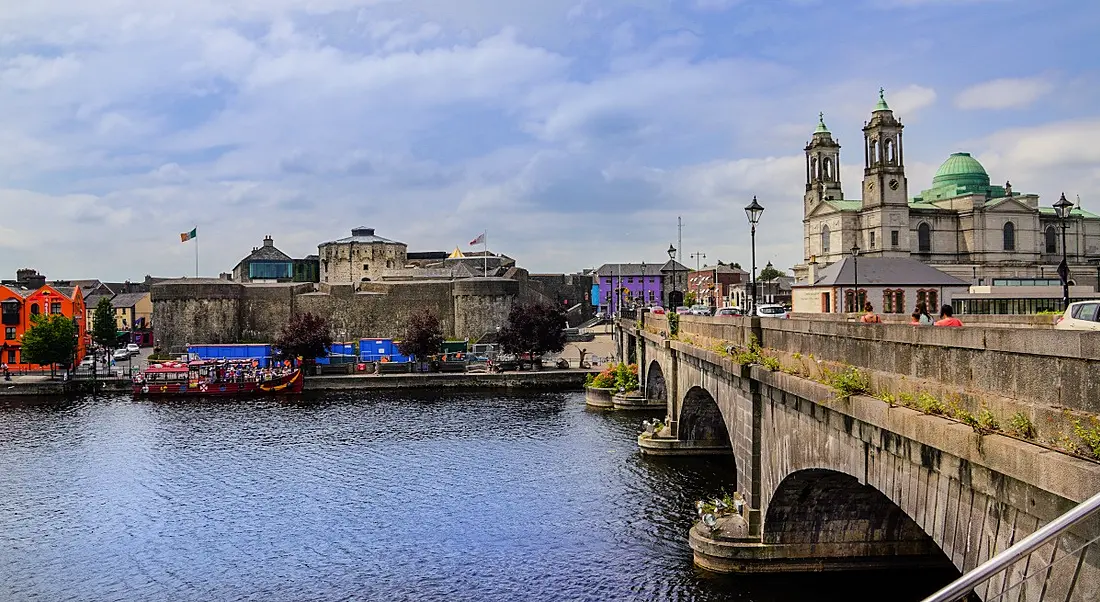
(874, 152)
(1009, 236)
(813, 169)
(824, 239)
(924, 238)
(893, 238)
(891, 153)
(1051, 240)
(827, 169)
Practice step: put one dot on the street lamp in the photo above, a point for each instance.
(1063, 208)
(855, 277)
(643, 284)
(753, 212)
(672, 257)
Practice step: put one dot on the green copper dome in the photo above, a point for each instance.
(960, 169)
(821, 129)
(882, 106)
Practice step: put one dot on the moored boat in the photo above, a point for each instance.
(216, 377)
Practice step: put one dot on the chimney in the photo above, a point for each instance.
(811, 271)
(268, 242)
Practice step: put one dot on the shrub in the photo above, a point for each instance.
(848, 382)
(1089, 435)
(626, 377)
(1021, 426)
(987, 422)
(930, 405)
(673, 323)
(604, 380)
(771, 363)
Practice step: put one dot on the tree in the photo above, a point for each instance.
(103, 324)
(306, 336)
(735, 265)
(689, 298)
(770, 273)
(534, 328)
(50, 340)
(423, 336)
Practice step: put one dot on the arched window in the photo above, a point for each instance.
(824, 240)
(1009, 236)
(813, 169)
(874, 152)
(34, 309)
(891, 153)
(924, 238)
(827, 169)
(1051, 239)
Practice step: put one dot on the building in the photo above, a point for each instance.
(777, 290)
(268, 264)
(629, 284)
(716, 285)
(19, 305)
(361, 257)
(893, 285)
(962, 225)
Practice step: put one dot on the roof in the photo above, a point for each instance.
(722, 269)
(847, 204)
(124, 300)
(961, 169)
(93, 300)
(821, 129)
(67, 291)
(267, 253)
(362, 235)
(629, 269)
(1076, 212)
(884, 271)
(881, 105)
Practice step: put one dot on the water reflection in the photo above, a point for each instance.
(360, 496)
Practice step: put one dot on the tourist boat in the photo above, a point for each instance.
(216, 377)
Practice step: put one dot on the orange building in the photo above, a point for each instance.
(17, 305)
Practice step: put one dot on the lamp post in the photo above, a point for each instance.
(643, 284)
(672, 257)
(753, 212)
(1063, 208)
(855, 278)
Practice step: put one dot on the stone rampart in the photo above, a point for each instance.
(482, 305)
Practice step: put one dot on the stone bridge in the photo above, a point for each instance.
(837, 480)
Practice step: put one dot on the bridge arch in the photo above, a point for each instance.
(701, 420)
(656, 387)
(830, 515)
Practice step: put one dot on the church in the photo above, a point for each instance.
(962, 225)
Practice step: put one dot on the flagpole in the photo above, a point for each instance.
(196, 252)
(485, 253)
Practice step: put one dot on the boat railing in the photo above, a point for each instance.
(1046, 565)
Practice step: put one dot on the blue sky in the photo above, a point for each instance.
(574, 131)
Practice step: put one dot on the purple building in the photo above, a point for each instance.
(631, 284)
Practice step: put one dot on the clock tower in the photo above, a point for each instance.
(884, 227)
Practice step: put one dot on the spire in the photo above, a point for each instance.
(882, 106)
(821, 129)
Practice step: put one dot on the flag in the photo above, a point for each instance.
(477, 241)
(186, 236)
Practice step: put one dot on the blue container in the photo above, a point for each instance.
(373, 350)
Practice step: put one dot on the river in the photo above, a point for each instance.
(362, 496)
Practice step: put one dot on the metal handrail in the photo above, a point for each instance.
(985, 571)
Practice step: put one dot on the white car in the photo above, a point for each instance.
(772, 311)
(133, 348)
(729, 311)
(700, 310)
(1082, 315)
(120, 354)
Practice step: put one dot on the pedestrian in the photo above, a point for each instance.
(920, 315)
(869, 316)
(947, 319)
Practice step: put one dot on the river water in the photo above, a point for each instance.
(362, 496)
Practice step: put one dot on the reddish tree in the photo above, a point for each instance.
(534, 328)
(423, 336)
(306, 336)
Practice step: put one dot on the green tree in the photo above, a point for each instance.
(103, 324)
(306, 336)
(51, 340)
(423, 336)
(770, 273)
(689, 298)
(534, 328)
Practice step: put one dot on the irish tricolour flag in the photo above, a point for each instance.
(186, 236)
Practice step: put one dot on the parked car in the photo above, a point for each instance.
(700, 310)
(772, 311)
(683, 310)
(1082, 315)
(657, 309)
(121, 354)
(133, 348)
(729, 311)
(87, 361)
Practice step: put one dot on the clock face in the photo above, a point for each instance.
(870, 185)
(893, 184)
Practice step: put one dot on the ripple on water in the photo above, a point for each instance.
(355, 496)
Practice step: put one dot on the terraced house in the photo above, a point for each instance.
(18, 306)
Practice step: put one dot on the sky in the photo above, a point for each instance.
(574, 132)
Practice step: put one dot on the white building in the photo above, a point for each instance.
(893, 285)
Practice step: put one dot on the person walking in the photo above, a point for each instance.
(869, 316)
(947, 319)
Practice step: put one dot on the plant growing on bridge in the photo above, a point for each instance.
(673, 324)
(305, 335)
(847, 382)
(929, 404)
(1021, 426)
(423, 336)
(1089, 435)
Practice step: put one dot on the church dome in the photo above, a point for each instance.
(961, 169)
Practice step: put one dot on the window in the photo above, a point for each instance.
(893, 238)
(1009, 236)
(854, 305)
(9, 333)
(1051, 240)
(824, 240)
(1086, 311)
(931, 298)
(13, 356)
(826, 303)
(630, 280)
(366, 267)
(893, 301)
(872, 239)
(652, 296)
(609, 296)
(9, 313)
(270, 270)
(34, 309)
(55, 307)
(924, 238)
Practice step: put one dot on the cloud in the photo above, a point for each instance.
(911, 99)
(1006, 93)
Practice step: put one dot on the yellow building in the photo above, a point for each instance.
(133, 311)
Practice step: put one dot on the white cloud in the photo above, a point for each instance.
(1006, 93)
(912, 98)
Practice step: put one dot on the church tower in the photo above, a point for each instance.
(885, 215)
(822, 168)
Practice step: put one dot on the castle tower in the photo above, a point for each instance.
(885, 216)
(822, 167)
